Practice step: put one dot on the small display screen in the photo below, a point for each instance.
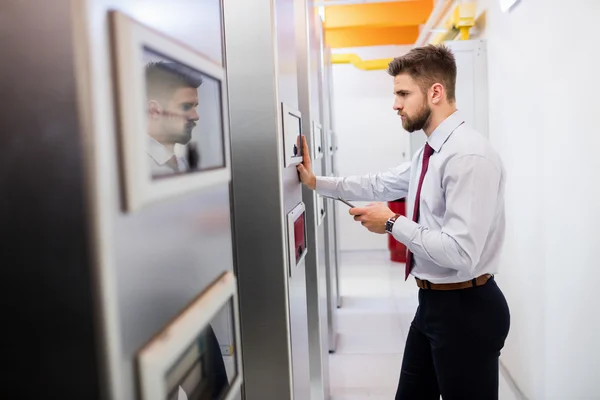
(299, 136)
(319, 139)
(184, 118)
(299, 236)
(208, 366)
(293, 134)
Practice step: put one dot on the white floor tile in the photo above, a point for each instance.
(351, 373)
(376, 259)
(375, 343)
(368, 304)
(506, 392)
(363, 394)
(375, 288)
(368, 323)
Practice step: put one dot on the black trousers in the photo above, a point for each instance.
(454, 344)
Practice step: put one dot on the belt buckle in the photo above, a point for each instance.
(423, 284)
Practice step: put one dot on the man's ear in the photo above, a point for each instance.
(437, 93)
(154, 109)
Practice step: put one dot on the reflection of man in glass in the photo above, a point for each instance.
(216, 372)
(172, 92)
(200, 374)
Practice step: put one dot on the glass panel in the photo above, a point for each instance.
(184, 118)
(207, 368)
(300, 236)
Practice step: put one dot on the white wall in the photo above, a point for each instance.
(370, 134)
(544, 101)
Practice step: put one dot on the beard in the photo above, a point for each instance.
(419, 121)
(187, 132)
(183, 136)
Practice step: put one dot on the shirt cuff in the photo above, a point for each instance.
(326, 186)
(404, 231)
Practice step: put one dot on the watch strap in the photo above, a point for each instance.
(389, 225)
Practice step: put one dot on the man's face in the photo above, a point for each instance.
(410, 103)
(178, 117)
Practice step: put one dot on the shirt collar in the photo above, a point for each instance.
(158, 152)
(439, 136)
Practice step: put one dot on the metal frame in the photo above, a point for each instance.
(273, 305)
(292, 217)
(156, 358)
(129, 39)
(288, 112)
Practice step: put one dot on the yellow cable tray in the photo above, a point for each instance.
(366, 65)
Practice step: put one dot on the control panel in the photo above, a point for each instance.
(334, 141)
(331, 145)
(296, 223)
(320, 209)
(318, 147)
(292, 135)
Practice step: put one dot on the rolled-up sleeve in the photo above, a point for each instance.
(386, 186)
(471, 185)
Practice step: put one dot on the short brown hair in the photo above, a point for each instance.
(164, 78)
(428, 65)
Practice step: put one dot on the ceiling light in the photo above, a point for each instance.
(506, 5)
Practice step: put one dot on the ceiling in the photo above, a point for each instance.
(375, 23)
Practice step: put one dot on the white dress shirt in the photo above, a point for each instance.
(159, 157)
(461, 225)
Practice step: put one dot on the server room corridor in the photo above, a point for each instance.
(188, 186)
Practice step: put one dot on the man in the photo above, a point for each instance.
(454, 233)
(172, 92)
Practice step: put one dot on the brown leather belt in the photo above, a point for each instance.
(479, 281)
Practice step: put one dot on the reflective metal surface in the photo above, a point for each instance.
(261, 64)
(331, 227)
(309, 70)
(94, 283)
(46, 251)
(151, 263)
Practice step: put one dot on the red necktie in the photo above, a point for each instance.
(427, 152)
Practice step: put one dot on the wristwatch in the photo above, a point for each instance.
(389, 225)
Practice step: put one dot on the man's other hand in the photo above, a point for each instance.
(373, 217)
